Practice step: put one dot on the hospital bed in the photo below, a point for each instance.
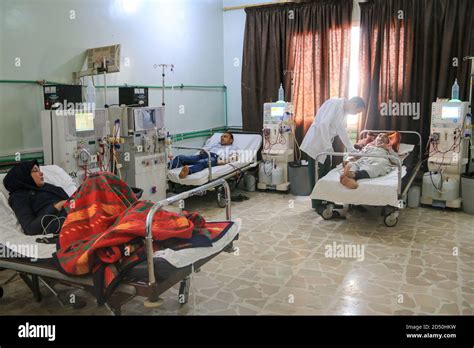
(387, 191)
(161, 271)
(249, 145)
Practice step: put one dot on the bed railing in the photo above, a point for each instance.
(420, 150)
(154, 296)
(201, 149)
(395, 160)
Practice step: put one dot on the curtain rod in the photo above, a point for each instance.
(241, 7)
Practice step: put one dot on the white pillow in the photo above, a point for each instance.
(405, 149)
(3, 190)
(52, 175)
(4, 206)
(57, 176)
(248, 144)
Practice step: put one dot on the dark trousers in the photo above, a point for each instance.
(323, 169)
(196, 163)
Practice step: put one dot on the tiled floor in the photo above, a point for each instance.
(282, 266)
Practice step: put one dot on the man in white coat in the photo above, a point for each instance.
(330, 121)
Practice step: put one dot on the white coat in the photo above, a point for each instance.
(330, 121)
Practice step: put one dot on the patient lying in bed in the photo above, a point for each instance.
(38, 206)
(222, 153)
(357, 168)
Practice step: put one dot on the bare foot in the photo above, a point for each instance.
(349, 182)
(184, 172)
(341, 178)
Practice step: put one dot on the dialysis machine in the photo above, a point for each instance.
(138, 143)
(448, 154)
(278, 146)
(75, 140)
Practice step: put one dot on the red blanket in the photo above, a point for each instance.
(105, 229)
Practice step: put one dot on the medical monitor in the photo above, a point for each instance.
(449, 112)
(277, 111)
(84, 122)
(145, 118)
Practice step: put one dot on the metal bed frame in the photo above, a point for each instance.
(391, 214)
(228, 176)
(150, 288)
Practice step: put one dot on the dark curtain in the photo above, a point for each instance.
(310, 39)
(410, 59)
(265, 58)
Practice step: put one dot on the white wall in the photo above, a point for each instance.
(234, 28)
(51, 44)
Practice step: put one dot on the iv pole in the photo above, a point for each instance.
(471, 83)
(471, 78)
(292, 83)
(163, 75)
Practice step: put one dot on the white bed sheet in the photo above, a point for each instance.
(13, 237)
(249, 144)
(186, 257)
(405, 148)
(380, 191)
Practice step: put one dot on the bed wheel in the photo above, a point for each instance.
(221, 198)
(391, 220)
(183, 294)
(327, 213)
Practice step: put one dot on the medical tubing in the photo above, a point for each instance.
(54, 219)
(265, 167)
(298, 157)
(456, 144)
(440, 183)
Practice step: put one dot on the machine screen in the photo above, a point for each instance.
(145, 119)
(278, 111)
(84, 122)
(450, 112)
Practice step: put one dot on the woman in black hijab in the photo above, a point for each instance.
(38, 206)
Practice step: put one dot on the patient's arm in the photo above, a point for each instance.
(29, 221)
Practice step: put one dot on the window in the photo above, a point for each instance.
(352, 120)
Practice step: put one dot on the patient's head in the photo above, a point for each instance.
(24, 175)
(382, 139)
(37, 175)
(227, 138)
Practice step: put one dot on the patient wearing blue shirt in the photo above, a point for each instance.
(221, 153)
